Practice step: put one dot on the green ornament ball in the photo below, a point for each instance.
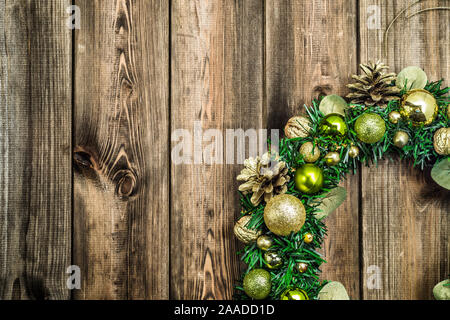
(309, 178)
(333, 125)
(257, 284)
(294, 294)
(284, 214)
(370, 128)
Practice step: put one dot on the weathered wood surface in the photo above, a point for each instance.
(35, 149)
(145, 226)
(310, 51)
(405, 222)
(217, 81)
(121, 176)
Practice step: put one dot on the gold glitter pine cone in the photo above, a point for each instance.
(374, 87)
(261, 180)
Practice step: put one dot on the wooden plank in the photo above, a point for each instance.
(35, 143)
(121, 182)
(405, 215)
(311, 51)
(217, 80)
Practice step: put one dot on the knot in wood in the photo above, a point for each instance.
(126, 184)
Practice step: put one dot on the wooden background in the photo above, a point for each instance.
(86, 118)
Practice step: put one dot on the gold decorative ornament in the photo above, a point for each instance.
(370, 128)
(302, 267)
(394, 117)
(243, 233)
(264, 242)
(419, 106)
(333, 125)
(353, 152)
(310, 152)
(448, 112)
(308, 178)
(297, 127)
(411, 78)
(284, 214)
(273, 260)
(400, 139)
(308, 238)
(332, 158)
(374, 87)
(261, 180)
(294, 294)
(333, 104)
(441, 141)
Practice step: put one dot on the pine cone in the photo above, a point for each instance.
(262, 180)
(374, 87)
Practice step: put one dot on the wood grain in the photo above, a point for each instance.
(405, 214)
(35, 143)
(121, 181)
(311, 51)
(217, 80)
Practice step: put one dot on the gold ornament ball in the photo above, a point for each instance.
(264, 242)
(273, 260)
(308, 178)
(419, 106)
(310, 152)
(400, 139)
(441, 141)
(302, 267)
(308, 238)
(394, 117)
(333, 125)
(297, 127)
(294, 294)
(353, 152)
(448, 112)
(243, 233)
(332, 158)
(257, 284)
(370, 128)
(284, 214)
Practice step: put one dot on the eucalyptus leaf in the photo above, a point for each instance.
(330, 202)
(441, 173)
(412, 77)
(333, 104)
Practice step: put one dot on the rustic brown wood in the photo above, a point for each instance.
(405, 214)
(311, 51)
(35, 143)
(217, 80)
(121, 189)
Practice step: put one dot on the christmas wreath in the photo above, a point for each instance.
(286, 193)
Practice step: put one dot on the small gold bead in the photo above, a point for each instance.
(353, 152)
(264, 242)
(308, 238)
(400, 139)
(332, 158)
(302, 267)
(394, 117)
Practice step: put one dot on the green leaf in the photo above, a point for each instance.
(330, 202)
(441, 173)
